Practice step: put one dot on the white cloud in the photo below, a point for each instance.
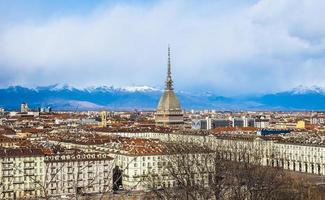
(234, 48)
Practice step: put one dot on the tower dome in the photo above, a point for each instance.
(168, 101)
(169, 111)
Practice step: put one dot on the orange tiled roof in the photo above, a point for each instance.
(20, 152)
(31, 130)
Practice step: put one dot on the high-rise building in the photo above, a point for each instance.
(103, 115)
(24, 107)
(261, 123)
(300, 124)
(169, 112)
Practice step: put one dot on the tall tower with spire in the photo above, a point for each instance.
(169, 111)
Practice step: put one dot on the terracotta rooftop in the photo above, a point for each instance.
(20, 152)
(137, 147)
(228, 129)
(136, 129)
(6, 130)
(31, 130)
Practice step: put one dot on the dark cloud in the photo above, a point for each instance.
(252, 47)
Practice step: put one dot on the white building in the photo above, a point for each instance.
(145, 166)
(309, 158)
(77, 174)
(27, 173)
(22, 173)
(262, 123)
(24, 107)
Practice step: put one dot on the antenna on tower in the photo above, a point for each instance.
(169, 81)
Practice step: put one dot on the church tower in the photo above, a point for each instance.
(169, 112)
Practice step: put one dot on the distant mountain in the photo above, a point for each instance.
(300, 98)
(65, 97)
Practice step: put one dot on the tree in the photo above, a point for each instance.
(200, 173)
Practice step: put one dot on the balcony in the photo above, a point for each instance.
(29, 189)
(29, 168)
(29, 174)
(28, 161)
(18, 182)
(8, 190)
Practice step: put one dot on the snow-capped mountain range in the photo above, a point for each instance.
(311, 89)
(65, 97)
(60, 87)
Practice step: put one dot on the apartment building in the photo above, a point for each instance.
(22, 173)
(293, 155)
(78, 174)
(145, 162)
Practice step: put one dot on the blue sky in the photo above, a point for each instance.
(228, 46)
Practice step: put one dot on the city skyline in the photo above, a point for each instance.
(230, 47)
(162, 99)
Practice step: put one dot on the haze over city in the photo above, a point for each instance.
(229, 47)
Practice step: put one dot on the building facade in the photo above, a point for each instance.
(149, 170)
(28, 173)
(307, 158)
(78, 174)
(22, 173)
(24, 107)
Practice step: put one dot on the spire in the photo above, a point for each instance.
(169, 81)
